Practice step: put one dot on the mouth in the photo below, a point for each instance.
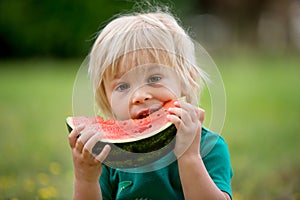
(146, 113)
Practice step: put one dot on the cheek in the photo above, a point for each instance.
(167, 92)
(120, 108)
(175, 84)
(118, 111)
(175, 87)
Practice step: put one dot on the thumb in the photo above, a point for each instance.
(201, 113)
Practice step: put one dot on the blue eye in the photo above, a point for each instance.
(122, 87)
(154, 79)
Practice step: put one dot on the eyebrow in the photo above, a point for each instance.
(146, 69)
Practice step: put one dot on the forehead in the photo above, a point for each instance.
(145, 57)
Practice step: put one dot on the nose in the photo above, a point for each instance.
(141, 95)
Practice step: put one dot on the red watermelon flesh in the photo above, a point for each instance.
(127, 130)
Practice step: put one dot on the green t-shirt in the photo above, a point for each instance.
(164, 183)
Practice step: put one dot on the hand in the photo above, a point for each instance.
(86, 165)
(188, 120)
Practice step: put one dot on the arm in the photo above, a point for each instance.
(86, 190)
(87, 167)
(195, 180)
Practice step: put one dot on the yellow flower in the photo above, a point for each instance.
(55, 168)
(43, 178)
(7, 182)
(47, 192)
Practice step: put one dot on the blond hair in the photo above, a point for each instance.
(155, 33)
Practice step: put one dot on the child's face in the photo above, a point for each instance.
(141, 90)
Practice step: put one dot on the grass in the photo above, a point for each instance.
(35, 100)
(261, 127)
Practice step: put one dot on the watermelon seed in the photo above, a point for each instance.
(150, 126)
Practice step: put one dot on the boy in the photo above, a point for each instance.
(138, 63)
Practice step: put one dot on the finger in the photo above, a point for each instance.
(104, 153)
(186, 116)
(185, 105)
(176, 111)
(175, 120)
(90, 144)
(94, 142)
(193, 111)
(75, 133)
(83, 139)
(79, 128)
(86, 135)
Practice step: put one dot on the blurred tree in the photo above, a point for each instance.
(271, 24)
(60, 28)
(51, 27)
(65, 28)
(242, 15)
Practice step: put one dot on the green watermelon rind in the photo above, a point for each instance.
(152, 143)
(137, 154)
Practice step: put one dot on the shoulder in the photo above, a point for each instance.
(212, 143)
(216, 157)
(214, 150)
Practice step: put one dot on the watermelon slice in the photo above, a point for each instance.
(134, 142)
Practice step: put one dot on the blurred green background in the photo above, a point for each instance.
(255, 44)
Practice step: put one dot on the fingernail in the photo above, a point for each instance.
(80, 126)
